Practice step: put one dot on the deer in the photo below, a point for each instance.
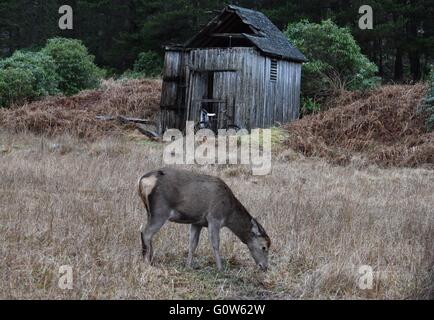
(185, 197)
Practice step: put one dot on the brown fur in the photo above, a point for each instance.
(200, 200)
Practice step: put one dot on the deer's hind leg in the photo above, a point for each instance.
(155, 222)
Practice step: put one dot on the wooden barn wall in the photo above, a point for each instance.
(229, 82)
(197, 87)
(172, 66)
(282, 97)
(260, 102)
(244, 78)
(172, 112)
(226, 86)
(251, 102)
(297, 90)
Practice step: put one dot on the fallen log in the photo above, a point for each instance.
(123, 119)
(135, 120)
(140, 124)
(149, 133)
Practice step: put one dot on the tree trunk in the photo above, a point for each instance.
(413, 52)
(399, 72)
(380, 60)
(415, 69)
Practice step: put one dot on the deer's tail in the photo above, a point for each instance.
(147, 184)
(144, 191)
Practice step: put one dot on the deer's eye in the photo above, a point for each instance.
(264, 248)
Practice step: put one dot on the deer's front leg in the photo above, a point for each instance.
(194, 240)
(214, 238)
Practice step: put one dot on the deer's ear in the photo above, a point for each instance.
(255, 228)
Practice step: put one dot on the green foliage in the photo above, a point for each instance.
(62, 66)
(309, 105)
(74, 65)
(16, 85)
(149, 64)
(27, 75)
(42, 68)
(401, 42)
(335, 59)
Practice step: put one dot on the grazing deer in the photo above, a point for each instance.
(202, 201)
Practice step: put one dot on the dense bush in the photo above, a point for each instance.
(335, 59)
(74, 65)
(27, 75)
(16, 85)
(309, 105)
(149, 64)
(62, 66)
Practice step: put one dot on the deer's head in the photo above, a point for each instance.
(259, 244)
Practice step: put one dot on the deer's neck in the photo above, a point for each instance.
(241, 223)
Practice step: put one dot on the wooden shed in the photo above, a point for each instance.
(240, 67)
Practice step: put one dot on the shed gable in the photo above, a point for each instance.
(240, 27)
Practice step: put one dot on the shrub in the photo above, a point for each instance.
(16, 85)
(149, 64)
(335, 59)
(42, 68)
(74, 65)
(309, 105)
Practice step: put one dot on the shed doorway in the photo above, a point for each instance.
(215, 91)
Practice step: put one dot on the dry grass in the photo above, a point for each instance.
(383, 126)
(65, 201)
(380, 127)
(76, 115)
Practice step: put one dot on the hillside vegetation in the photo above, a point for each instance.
(76, 115)
(385, 126)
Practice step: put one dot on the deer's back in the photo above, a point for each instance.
(191, 195)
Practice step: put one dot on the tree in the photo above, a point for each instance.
(16, 85)
(401, 43)
(335, 59)
(149, 64)
(74, 65)
(41, 67)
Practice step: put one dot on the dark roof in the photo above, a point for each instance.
(267, 37)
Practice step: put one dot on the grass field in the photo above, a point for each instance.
(67, 202)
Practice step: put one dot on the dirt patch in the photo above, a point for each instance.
(76, 115)
(384, 125)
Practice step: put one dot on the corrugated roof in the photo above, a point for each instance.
(268, 38)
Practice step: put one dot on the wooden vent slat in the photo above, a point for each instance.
(273, 70)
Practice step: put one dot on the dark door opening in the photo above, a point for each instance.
(214, 91)
(209, 95)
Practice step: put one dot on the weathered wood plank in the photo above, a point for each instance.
(239, 74)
